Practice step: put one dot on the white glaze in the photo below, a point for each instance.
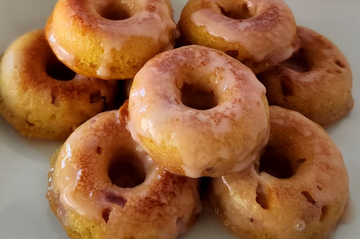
(59, 51)
(104, 71)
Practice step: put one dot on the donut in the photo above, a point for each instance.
(110, 39)
(298, 189)
(316, 81)
(42, 98)
(103, 185)
(198, 112)
(259, 33)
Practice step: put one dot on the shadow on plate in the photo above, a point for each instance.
(30, 148)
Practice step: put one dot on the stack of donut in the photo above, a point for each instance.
(200, 110)
(298, 187)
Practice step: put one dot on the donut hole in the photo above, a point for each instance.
(58, 71)
(277, 163)
(198, 97)
(298, 62)
(238, 11)
(127, 172)
(114, 11)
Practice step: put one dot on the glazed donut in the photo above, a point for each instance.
(259, 33)
(103, 185)
(316, 81)
(298, 189)
(40, 97)
(110, 39)
(198, 112)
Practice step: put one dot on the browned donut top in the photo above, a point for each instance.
(90, 171)
(32, 62)
(207, 140)
(254, 24)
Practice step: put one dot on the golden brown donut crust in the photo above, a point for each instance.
(90, 205)
(40, 106)
(219, 140)
(316, 81)
(94, 46)
(248, 30)
(307, 203)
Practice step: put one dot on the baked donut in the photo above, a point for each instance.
(110, 39)
(259, 33)
(103, 185)
(298, 189)
(42, 98)
(316, 81)
(198, 112)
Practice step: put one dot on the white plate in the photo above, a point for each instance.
(24, 211)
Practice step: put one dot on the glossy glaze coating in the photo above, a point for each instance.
(302, 200)
(91, 202)
(110, 39)
(259, 33)
(194, 142)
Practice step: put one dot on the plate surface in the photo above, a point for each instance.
(24, 210)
